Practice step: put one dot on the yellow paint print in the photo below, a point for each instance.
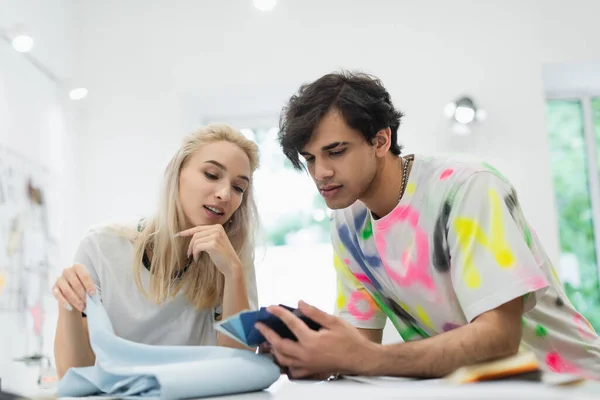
(470, 232)
(422, 315)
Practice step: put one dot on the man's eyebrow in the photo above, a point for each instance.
(332, 145)
(325, 148)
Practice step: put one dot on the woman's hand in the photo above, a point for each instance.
(213, 240)
(70, 288)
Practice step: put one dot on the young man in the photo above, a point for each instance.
(439, 245)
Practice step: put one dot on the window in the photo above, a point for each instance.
(574, 138)
(294, 260)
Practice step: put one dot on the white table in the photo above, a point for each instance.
(345, 389)
(349, 390)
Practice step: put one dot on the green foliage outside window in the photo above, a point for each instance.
(571, 187)
(308, 214)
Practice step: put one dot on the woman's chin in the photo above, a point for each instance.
(206, 220)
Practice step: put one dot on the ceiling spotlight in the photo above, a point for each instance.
(22, 43)
(463, 112)
(78, 94)
(265, 5)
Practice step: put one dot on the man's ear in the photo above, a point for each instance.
(382, 142)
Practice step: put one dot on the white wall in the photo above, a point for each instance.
(572, 79)
(158, 69)
(142, 70)
(34, 123)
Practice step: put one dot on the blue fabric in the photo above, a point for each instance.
(241, 326)
(128, 369)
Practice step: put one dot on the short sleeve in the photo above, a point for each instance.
(251, 289)
(86, 255)
(489, 245)
(354, 303)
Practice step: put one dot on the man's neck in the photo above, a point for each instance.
(383, 194)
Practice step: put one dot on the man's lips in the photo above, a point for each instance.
(329, 187)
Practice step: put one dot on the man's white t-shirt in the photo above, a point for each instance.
(108, 258)
(456, 246)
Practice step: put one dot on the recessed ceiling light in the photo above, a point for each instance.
(78, 94)
(265, 5)
(22, 43)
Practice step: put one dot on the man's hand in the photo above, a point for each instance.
(337, 347)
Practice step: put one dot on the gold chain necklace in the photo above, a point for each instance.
(407, 161)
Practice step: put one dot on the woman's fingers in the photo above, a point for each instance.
(61, 299)
(75, 283)
(69, 294)
(85, 279)
(72, 287)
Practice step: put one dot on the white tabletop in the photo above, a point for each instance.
(394, 388)
(410, 389)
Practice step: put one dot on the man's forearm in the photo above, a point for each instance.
(235, 299)
(374, 335)
(442, 354)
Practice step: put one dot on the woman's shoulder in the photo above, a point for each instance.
(112, 232)
(106, 246)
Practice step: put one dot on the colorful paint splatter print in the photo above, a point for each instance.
(457, 245)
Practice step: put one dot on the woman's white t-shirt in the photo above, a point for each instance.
(108, 258)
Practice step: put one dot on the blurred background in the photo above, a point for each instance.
(95, 97)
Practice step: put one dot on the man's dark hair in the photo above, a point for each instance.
(361, 99)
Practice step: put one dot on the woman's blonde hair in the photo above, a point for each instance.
(203, 283)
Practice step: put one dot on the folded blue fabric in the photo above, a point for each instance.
(241, 326)
(127, 369)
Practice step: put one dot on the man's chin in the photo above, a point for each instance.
(338, 204)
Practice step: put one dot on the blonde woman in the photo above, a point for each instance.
(165, 280)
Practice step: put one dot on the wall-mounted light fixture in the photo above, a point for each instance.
(463, 112)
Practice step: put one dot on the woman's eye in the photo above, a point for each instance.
(210, 176)
(238, 189)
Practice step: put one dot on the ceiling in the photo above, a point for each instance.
(53, 26)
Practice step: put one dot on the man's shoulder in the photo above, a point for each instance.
(453, 170)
